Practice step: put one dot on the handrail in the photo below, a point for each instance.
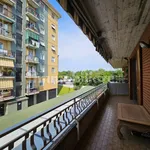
(32, 11)
(7, 13)
(11, 129)
(67, 114)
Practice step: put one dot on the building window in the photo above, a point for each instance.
(53, 80)
(53, 37)
(1, 46)
(53, 15)
(53, 27)
(53, 48)
(53, 70)
(53, 59)
(19, 105)
(18, 57)
(42, 30)
(18, 75)
(42, 17)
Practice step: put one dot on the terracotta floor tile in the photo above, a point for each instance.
(102, 133)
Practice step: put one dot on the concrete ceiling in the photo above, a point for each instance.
(121, 23)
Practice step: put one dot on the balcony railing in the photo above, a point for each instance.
(31, 74)
(7, 54)
(34, 15)
(31, 26)
(52, 126)
(34, 3)
(32, 44)
(6, 34)
(32, 90)
(6, 95)
(10, 2)
(8, 14)
(32, 59)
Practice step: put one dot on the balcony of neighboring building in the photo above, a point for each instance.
(32, 59)
(31, 73)
(10, 2)
(6, 84)
(32, 27)
(32, 43)
(32, 14)
(32, 88)
(6, 34)
(7, 94)
(34, 3)
(6, 13)
(7, 54)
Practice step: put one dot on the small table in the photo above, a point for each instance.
(134, 117)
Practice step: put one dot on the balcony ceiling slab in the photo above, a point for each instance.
(120, 23)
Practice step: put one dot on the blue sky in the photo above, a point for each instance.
(76, 52)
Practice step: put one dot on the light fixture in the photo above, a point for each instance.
(144, 45)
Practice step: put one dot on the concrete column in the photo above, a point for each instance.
(47, 97)
(35, 99)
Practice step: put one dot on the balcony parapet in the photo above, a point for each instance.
(32, 59)
(32, 14)
(56, 120)
(7, 15)
(6, 95)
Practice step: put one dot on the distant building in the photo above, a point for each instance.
(28, 53)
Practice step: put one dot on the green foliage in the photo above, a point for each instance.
(89, 77)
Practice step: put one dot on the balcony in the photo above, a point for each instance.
(32, 91)
(6, 95)
(31, 26)
(32, 59)
(31, 74)
(7, 54)
(32, 14)
(10, 2)
(32, 44)
(34, 3)
(6, 35)
(7, 15)
(72, 119)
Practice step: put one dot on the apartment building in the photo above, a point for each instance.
(28, 53)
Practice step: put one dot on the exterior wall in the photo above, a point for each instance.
(51, 42)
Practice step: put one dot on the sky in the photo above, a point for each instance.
(76, 52)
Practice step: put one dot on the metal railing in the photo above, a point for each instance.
(7, 13)
(31, 26)
(33, 59)
(53, 126)
(7, 53)
(32, 11)
(31, 74)
(6, 32)
(32, 90)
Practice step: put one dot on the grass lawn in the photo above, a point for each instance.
(64, 90)
(19, 116)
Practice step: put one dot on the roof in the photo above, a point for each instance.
(114, 27)
(52, 8)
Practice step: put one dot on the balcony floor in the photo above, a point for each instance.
(102, 134)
